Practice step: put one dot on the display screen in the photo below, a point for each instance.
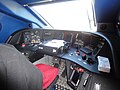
(48, 35)
(86, 37)
(94, 41)
(68, 37)
(78, 42)
(58, 35)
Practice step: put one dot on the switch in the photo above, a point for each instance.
(78, 52)
(71, 54)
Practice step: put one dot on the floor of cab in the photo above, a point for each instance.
(61, 83)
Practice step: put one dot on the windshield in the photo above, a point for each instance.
(71, 15)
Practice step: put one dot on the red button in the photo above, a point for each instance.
(23, 45)
(81, 70)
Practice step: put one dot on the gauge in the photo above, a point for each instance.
(32, 37)
(36, 33)
(27, 37)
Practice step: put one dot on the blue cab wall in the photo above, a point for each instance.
(14, 17)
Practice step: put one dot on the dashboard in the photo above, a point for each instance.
(82, 48)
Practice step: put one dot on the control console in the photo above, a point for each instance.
(87, 61)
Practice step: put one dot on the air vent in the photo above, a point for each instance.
(106, 27)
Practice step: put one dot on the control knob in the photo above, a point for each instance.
(84, 56)
(90, 61)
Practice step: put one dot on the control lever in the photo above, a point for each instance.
(85, 82)
(66, 47)
(77, 51)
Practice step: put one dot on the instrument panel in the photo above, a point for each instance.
(88, 43)
(38, 36)
(81, 48)
(31, 37)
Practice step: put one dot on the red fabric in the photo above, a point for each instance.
(49, 74)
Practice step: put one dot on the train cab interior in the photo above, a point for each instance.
(36, 55)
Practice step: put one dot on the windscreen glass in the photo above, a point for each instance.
(70, 15)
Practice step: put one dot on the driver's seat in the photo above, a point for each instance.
(17, 73)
